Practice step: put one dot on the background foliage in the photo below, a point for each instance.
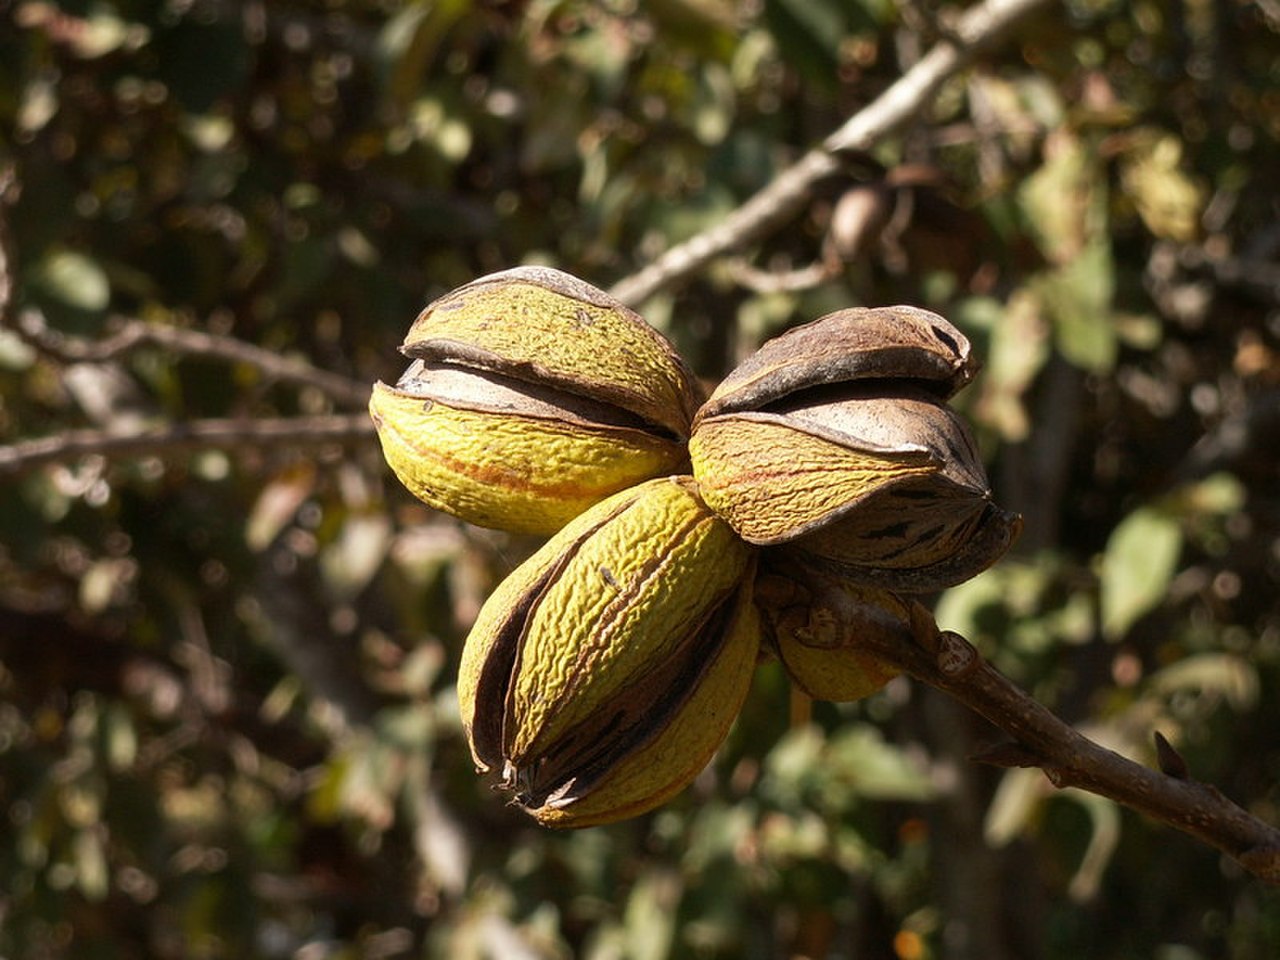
(227, 722)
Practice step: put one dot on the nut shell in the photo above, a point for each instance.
(860, 343)
(835, 441)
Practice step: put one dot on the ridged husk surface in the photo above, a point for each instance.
(532, 396)
(836, 440)
(603, 673)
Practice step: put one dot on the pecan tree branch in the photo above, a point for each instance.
(137, 333)
(948, 662)
(977, 30)
(31, 327)
(8, 196)
(229, 434)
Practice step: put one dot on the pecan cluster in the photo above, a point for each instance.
(788, 513)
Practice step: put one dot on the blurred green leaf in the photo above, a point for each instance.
(1078, 296)
(1056, 199)
(90, 864)
(1169, 201)
(1218, 495)
(1104, 837)
(810, 33)
(1019, 346)
(1015, 806)
(277, 504)
(1138, 563)
(1218, 675)
(854, 762)
(351, 561)
(410, 40)
(73, 278)
(877, 769)
(650, 916)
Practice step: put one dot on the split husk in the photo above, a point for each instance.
(603, 673)
(532, 396)
(835, 440)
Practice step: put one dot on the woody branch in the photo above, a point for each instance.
(1038, 738)
(978, 30)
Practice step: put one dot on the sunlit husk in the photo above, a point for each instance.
(835, 440)
(532, 396)
(774, 482)
(525, 471)
(604, 671)
(676, 751)
(900, 343)
(543, 326)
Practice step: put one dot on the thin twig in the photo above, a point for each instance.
(26, 455)
(30, 325)
(137, 333)
(949, 663)
(782, 281)
(229, 434)
(979, 29)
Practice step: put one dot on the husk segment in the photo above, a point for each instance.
(674, 749)
(539, 325)
(819, 626)
(532, 396)
(835, 440)
(861, 343)
(774, 482)
(500, 455)
(629, 635)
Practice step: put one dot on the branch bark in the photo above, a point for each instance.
(949, 663)
(134, 334)
(979, 29)
(26, 455)
(227, 434)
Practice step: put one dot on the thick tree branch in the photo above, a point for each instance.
(949, 663)
(978, 30)
(228, 434)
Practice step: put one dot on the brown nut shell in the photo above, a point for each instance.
(887, 488)
(860, 343)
